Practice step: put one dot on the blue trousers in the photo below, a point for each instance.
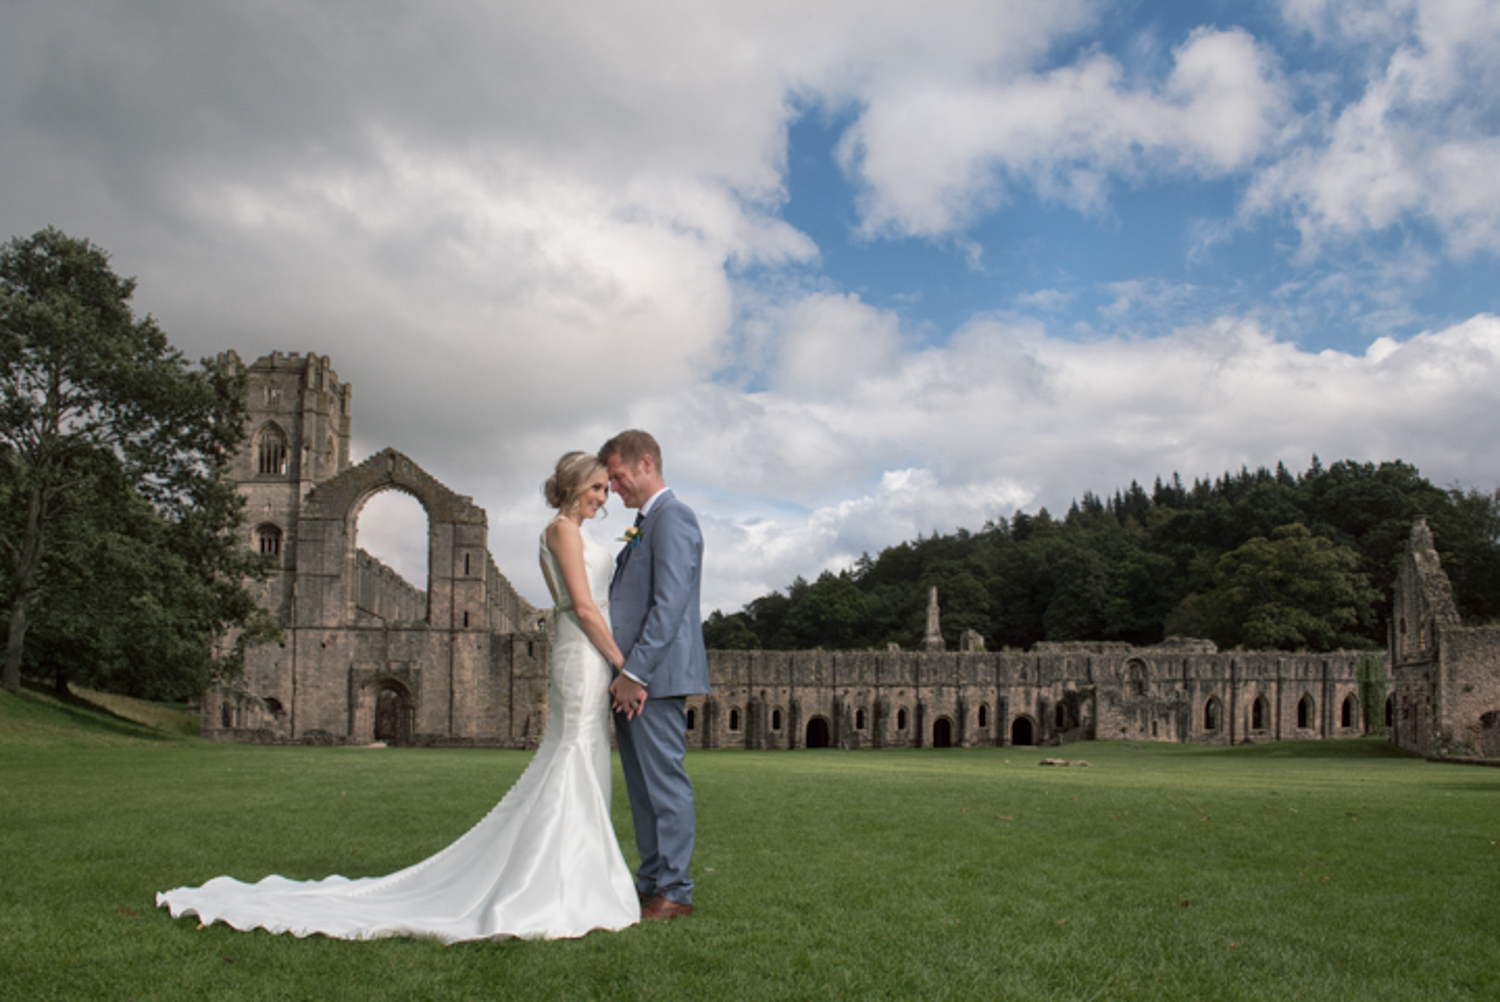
(652, 747)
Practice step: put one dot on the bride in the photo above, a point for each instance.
(544, 863)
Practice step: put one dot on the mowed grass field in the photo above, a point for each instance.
(1293, 871)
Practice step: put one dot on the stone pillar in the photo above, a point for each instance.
(933, 640)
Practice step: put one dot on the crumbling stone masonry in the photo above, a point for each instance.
(368, 656)
(1445, 677)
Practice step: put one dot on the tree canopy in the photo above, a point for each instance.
(120, 563)
(1260, 560)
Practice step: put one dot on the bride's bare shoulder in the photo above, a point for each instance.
(562, 531)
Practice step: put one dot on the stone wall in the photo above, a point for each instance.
(768, 699)
(1445, 677)
(384, 596)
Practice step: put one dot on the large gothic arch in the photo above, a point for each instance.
(457, 541)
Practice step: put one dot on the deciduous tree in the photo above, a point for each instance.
(117, 533)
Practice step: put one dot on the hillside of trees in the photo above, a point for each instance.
(1257, 560)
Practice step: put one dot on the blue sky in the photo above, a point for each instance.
(868, 269)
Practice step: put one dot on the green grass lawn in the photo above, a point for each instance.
(1293, 871)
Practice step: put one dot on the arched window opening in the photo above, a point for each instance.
(393, 528)
(1135, 677)
(1060, 717)
(984, 715)
(271, 452)
(859, 720)
(901, 719)
(1390, 715)
(1305, 711)
(776, 720)
(273, 706)
(1346, 712)
(1259, 712)
(270, 540)
(1211, 714)
(734, 719)
(692, 719)
(226, 716)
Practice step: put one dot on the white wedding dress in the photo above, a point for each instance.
(543, 864)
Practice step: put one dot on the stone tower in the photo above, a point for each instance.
(298, 436)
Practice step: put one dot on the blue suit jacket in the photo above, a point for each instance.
(654, 606)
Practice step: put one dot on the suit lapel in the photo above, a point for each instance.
(623, 557)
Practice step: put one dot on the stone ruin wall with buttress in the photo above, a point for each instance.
(367, 656)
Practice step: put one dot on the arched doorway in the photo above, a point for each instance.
(817, 732)
(393, 714)
(942, 733)
(1022, 732)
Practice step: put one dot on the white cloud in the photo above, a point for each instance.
(939, 153)
(1419, 143)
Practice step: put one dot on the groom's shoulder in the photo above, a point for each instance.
(673, 510)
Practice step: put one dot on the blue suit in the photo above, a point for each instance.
(655, 618)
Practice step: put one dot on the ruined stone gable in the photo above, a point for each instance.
(366, 655)
(1445, 677)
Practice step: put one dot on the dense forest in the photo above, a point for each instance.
(1257, 560)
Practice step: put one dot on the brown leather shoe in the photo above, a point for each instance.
(659, 908)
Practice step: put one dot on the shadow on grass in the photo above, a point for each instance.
(39, 700)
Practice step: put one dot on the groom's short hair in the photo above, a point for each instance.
(630, 446)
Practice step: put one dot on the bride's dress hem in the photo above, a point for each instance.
(544, 863)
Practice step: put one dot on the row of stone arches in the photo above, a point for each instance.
(1260, 713)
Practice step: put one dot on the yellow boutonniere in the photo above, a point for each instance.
(632, 536)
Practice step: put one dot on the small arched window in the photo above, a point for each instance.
(734, 720)
(271, 452)
(1305, 711)
(1258, 713)
(901, 719)
(1346, 713)
(775, 720)
(270, 540)
(859, 720)
(692, 719)
(984, 715)
(1211, 714)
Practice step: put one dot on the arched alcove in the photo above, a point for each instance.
(817, 732)
(942, 733)
(1023, 731)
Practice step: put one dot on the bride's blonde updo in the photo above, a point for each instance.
(573, 473)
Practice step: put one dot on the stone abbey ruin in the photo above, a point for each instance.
(367, 656)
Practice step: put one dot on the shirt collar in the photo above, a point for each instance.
(651, 501)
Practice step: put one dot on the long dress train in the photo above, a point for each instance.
(543, 864)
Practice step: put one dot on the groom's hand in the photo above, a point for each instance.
(627, 695)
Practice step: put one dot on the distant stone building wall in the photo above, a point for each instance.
(772, 699)
(1445, 677)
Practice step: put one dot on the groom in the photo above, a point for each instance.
(654, 614)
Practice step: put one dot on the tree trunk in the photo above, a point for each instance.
(14, 642)
(30, 556)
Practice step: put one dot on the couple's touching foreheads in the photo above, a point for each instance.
(545, 862)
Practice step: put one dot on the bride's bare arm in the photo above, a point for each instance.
(566, 543)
